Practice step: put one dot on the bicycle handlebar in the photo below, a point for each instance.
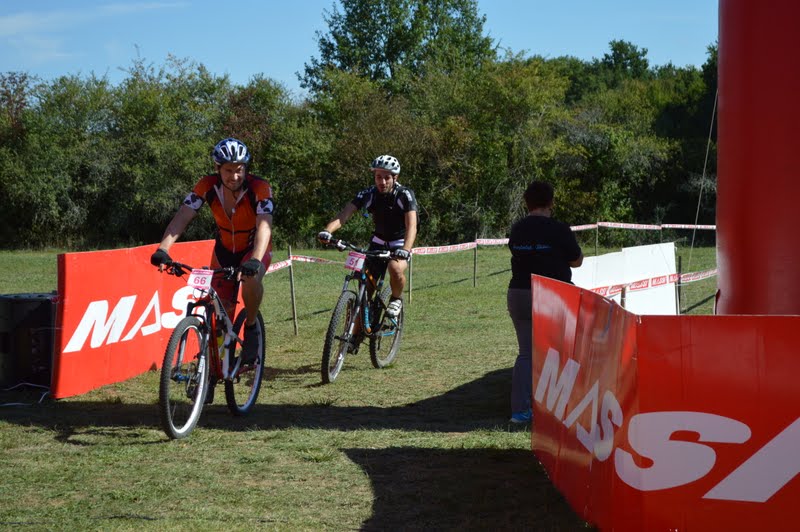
(341, 245)
(178, 269)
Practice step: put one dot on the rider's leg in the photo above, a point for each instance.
(252, 294)
(226, 289)
(253, 290)
(397, 277)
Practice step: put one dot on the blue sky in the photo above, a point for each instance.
(50, 38)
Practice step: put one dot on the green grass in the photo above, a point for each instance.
(423, 444)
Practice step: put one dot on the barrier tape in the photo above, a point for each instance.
(687, 226)
(306, 258)
(435, 250)
(444, 249)
(583, 227)
(491, 241)
(697, 276)
(617, 225)
(652, 282)
(275, 266)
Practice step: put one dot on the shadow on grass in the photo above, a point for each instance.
(414, 488)
(459, 489)
(480, 404)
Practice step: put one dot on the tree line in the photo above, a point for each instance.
(85, 163)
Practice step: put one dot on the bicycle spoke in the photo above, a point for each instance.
(184, 379)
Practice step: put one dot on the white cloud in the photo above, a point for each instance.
(27, 23)
(138, 7)
(39, 37)
(32, 49)
(49, 21)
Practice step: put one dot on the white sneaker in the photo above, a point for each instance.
(394, 307)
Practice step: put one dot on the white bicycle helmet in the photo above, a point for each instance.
(386, 162)
(230, 150)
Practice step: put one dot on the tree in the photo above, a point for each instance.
(14, 94)
(626, 60)
(385, 40)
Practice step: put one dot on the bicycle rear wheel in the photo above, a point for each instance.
(241, 392)
(336, 346)
(384, 342)
(184, 378)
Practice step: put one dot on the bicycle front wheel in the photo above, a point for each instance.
(241, 391)
(384, 342)
(337, 342)
(184, 378)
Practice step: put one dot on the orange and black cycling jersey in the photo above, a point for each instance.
(237, 231)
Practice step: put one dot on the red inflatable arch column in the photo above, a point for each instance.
(758, 192)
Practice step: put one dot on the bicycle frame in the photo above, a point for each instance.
(362, 298)
(212, 311)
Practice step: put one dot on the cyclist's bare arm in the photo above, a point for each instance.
(262, 236)
(177, 226)
(341, 218)
(411, 230)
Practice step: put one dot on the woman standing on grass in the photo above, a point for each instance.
(543, 246)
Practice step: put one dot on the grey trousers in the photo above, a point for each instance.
(519, 308)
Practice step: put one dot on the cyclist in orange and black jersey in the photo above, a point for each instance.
(242, 206)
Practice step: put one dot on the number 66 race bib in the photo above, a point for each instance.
(200, 279)
(355, 261)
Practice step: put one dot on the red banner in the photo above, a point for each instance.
(115, 314)
(665, 422)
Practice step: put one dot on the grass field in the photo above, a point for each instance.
(423, 444)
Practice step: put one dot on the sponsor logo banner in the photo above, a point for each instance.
(642, 426)
(115, 314)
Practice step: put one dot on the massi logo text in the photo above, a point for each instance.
(106, 328)
(673, 463)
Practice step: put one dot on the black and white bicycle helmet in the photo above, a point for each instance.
(387, 162)
(230, 150)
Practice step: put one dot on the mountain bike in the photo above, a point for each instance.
(203, 350)
(360, 313)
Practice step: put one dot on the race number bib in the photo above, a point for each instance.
(200, 279)
(355, 261)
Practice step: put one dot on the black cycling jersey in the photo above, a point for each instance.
(387, 210)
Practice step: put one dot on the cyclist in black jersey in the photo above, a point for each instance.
(394, 209)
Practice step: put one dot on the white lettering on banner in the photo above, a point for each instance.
(673, 463)
(562, 383)
(764, 473)
(147, 329)
(599, 440)
(107, 329)
(596, 441)
(180, 299)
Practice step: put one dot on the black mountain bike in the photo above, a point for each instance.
(360, 313)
